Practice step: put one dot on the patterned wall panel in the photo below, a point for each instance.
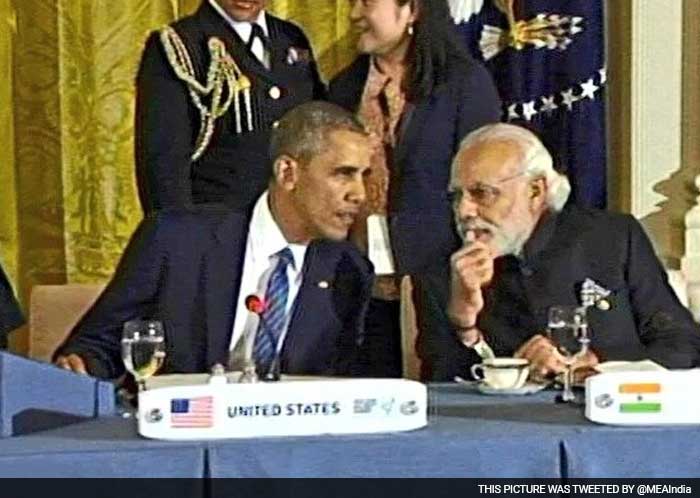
(8, 199)
(99, 48)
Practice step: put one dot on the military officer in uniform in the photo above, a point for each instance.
(209, 89)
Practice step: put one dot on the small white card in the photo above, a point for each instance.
(379, 245)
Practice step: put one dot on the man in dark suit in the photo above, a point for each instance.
(525, 251)
(195, 147)
(194, 270)
(10, 313)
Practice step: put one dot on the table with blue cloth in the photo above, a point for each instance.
(468, 435)
(103, 447)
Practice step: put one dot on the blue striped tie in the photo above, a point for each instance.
(274, 315)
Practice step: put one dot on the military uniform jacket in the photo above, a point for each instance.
(644, 319)
(235, 166)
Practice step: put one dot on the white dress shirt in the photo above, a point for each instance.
(265, 240)
(245, 29)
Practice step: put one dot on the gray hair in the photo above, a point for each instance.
(535, 156)
(302, 133)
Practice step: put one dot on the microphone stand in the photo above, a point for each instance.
(242, 357)
(274, 373)
(250, 374)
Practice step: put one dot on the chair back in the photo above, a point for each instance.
(53, 312)
(411, 364)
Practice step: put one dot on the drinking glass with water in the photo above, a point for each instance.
(567, 328)
(143, 349)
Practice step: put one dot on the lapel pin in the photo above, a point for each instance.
(594, 294)
(323, 284)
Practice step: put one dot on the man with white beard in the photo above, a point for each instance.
(525, 250)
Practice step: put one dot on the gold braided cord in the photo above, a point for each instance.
(224, 82)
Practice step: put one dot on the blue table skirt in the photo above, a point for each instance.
(644, 452)
(465, 438)
(105, 447)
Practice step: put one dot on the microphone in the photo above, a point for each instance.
(257, 305)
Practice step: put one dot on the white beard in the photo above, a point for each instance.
(504, 245)
(501, 243)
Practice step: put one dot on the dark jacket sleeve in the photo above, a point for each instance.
(130, 294)
(666, 328)
(10, 314)
(355, 362)
(165, 128)
(442, 354)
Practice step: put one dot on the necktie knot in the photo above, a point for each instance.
(285, 258)
(256, 32)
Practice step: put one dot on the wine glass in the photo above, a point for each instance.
(143, 349)
(567, 328)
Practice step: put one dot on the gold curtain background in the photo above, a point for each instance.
(68, 201)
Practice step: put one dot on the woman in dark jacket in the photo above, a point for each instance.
(420, 93)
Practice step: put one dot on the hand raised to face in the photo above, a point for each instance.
(471, 268)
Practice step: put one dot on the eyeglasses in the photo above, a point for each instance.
(483, 194)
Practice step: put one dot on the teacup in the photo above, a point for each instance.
(502, 373)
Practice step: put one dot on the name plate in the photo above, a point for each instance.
(219, 410)
(644, 398)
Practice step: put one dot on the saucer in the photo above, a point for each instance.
(528, 388)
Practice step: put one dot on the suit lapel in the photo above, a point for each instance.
(311, 314)
(247, 62)
(278, 46)
(280, 72)
(224, 266)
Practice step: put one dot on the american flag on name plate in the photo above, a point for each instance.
(548, 60)
(192, 413)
